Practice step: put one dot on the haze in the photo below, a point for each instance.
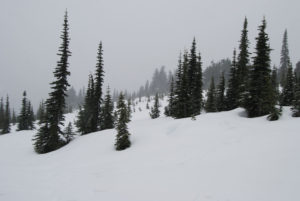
(138, 36)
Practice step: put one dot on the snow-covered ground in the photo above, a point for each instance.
(218, 157)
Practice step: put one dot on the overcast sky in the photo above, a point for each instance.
(138, 36)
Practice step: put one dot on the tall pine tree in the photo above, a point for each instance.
(232, 90)
(2, 113)
(122, 139)
(154, 113)
(6, 122)
(220, 94)
(288, 88)
(261, 95)
(210, 105)
(284, 60)
(98, 87)
(107, 119)
(48, 137)
(242, 66)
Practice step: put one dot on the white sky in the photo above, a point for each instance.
(138, 36)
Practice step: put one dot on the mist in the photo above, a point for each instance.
(137, 36)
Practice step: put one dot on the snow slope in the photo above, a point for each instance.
(218, 157)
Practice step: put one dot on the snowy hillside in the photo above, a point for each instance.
(218, 157)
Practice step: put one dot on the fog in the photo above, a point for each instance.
(138, 36)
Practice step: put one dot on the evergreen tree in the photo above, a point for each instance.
(129, 110)
(232, 91)
(220, 94)
(86, 119)
(30, 116)
(23, 117)
(210, 105)
(2, 113)
(171, 107)
(122, 139)
(242, 64)
(288, 89)
(69, 133)
(107, 112)
(98, 88)
(14, 118)
(275, 85)
(261, 99)
(296, 101)
(48, 137)
(154, 113)
(194, 81)
(284, 59)
(40, 112)
(6, 122)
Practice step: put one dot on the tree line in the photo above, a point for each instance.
(251, 85)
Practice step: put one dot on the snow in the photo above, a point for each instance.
(217, 157)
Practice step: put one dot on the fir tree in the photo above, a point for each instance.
(261, 99)
(171, 107)
(122, 139)
(288, 89)
(23, 117)
(30, 116)
(194, 81)
(6, 122)
(86, 122)
(98, 88)
(275, 85)
(220, 94)
(48, 137)
(242, 64)
(41, 112)
(154, 113)
(2, 113)
(296, 101)
(129, 111)
(284, 59)
(232, 91)
(107, 112)
(14, 118)
(69, 133)
(210, 105)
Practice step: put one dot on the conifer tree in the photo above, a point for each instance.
(154, 113)
(86, 122)
(232, 91)
(220, 94)
(129, 111)
(122, 139)
(69, 133)
(210, 105)
(284, 60)
(6, 122)
(23, 117)
(30, 116)
(2, 113)
(107, 118)
(261, 99)
(14, 118)
(296, 100)
(48, 137)
(99, 79)
(288, 89)
(194, 81)
(275, 85)
(242, 66)
(40, 112)
(171, 106)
